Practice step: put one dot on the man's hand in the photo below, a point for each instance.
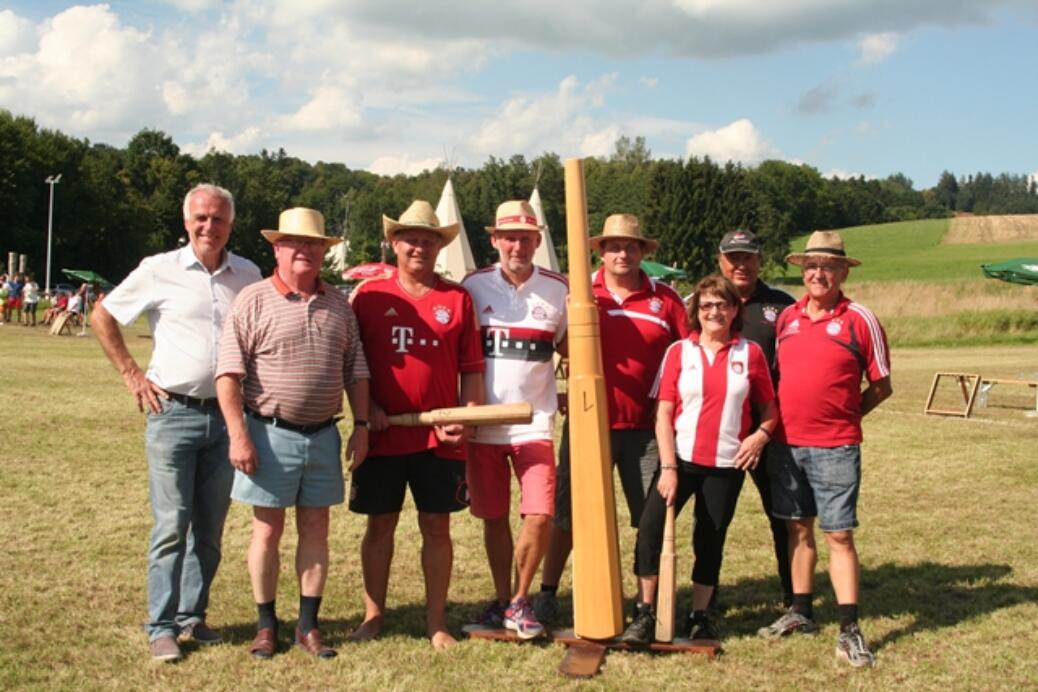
(451, 435)
(146, 392)
(357, 447)
(242, 454)
(377, 417)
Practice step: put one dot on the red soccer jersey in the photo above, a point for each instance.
(635, 334)
(712, 393)
(417, 348)
(820, 366)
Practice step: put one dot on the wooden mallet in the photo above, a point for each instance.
(491, 414)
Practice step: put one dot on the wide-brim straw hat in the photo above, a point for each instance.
(421, 216)
(622, 227)
(517, 215)
(824, 244)
(301, 222)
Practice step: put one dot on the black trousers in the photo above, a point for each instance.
(717, 493)
(779, 534)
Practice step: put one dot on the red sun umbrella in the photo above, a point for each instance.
(367, 271)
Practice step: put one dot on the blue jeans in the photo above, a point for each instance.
(189, 479)
(821, 482)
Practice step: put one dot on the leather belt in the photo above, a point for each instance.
(288, 425)
(193, 402)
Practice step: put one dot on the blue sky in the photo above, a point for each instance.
(851, 87)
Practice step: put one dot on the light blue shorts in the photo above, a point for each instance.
(821, 482)
(295, 469)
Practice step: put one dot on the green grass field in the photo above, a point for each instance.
(950, 577)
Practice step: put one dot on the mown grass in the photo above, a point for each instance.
(930, 293)
(914, 250)
(950, 579)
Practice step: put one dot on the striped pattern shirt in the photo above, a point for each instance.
(295, 356)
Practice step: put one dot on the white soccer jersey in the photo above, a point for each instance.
(520, 328)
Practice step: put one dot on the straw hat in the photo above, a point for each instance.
(823, 244)
(419, 215)
(517, 215)
(301, 222)
(623, 227)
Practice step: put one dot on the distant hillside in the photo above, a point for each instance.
(923, 251)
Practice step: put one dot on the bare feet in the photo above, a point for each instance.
(441, 640)
(368, 630)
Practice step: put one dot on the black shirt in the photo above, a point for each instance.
(759, 315)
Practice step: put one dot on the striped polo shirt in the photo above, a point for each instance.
(295, 355)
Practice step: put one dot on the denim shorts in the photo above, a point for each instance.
(294, 468)
(821, 482)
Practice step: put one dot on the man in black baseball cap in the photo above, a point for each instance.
(740, 260)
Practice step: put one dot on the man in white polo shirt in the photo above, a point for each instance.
(290, 348)
(522, 318)
(185, 294)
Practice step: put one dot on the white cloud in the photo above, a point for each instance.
(330, 108)
(544, 122)
(600, 143)
(845, 174)
(649, 82)
(393, 165)
(739, 141)
(16, 34)
(194, 5)
(877, 47)
(243, 142)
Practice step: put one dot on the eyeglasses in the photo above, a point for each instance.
(717, 305)
(827, 267)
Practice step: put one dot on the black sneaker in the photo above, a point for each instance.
(702, 628)
(643, 628)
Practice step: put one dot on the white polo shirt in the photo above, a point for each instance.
(520, 329)
(186, 306)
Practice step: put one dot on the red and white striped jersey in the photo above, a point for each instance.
(520, 328)
(712, 393)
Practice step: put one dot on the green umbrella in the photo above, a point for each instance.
(88, 277)
(1023, 270)
(662, 271)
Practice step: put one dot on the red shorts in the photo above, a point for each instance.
(14, 303)
(488, 476)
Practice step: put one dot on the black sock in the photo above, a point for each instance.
(698, 616)
(308, 606)
(802, 605)
(848, 616)
(267, 616)
(549, 588)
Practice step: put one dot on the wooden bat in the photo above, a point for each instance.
(491, 414)
(667, 583)
(597, 606)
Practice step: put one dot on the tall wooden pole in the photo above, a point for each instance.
(597, 602)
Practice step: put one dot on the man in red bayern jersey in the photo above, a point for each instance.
(826, 344)
(420, 333)
(638, 318)
(522, 317)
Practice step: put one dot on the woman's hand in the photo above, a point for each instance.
(667, 485)
(750, 451)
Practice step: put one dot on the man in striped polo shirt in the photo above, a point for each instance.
(289, 349)
(522, 317)
(826, 345)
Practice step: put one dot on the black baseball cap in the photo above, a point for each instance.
(740, 241)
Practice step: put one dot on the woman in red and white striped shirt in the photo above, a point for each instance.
(705, 388)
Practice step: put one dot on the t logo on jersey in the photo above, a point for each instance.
(495, 336)
(402, 338)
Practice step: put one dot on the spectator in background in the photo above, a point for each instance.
(30, 299)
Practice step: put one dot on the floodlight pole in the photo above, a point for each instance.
(51, 180)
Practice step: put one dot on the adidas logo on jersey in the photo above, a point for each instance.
(488, 310)
(391, 312)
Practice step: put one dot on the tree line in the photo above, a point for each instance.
(114, 206)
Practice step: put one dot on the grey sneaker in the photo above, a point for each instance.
(546, 606)
(851, 647)
(165, 649)
(200, 633)
(791, 621)
(642, 629)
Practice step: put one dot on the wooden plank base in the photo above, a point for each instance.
(583, 660)
(499, 634)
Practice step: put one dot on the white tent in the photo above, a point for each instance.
(455, 260)
(545, 255)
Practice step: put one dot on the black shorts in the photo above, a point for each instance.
(437, 485)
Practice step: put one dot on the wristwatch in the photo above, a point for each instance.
(361, 423)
